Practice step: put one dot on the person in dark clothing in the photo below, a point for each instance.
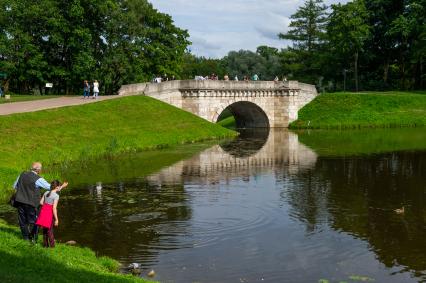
(27, 198)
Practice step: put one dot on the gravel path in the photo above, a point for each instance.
(36, 105)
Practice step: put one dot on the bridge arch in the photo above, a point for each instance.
(247, 115)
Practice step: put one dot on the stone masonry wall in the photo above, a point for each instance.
(279, 101)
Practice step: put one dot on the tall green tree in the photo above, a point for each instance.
(417, 52)
(20, 55)
(407, 30)
(245, 63)
(382, 45)
(307, 28)
(273, 62)
(307, 32)
(348, 31)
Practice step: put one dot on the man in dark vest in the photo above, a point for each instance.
(27, 187)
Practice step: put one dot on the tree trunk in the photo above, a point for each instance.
(421, 72)
(344, 80)
(356, 70)
(386, 71)
(6, 86)
(403, 84)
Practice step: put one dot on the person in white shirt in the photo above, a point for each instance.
(95, 89)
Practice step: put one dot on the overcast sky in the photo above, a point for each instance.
(219, 26)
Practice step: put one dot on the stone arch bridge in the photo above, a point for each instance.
(254, 104)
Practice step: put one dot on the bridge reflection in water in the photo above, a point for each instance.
(255, 151)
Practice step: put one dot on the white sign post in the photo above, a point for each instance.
(48, 86)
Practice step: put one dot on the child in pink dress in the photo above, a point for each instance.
(49, 212)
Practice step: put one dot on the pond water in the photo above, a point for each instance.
(270, 206)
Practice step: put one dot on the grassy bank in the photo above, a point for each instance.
(59, 136)
(228, 123)
(22, 262)
(362, 110)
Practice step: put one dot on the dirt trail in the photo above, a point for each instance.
(36, 105)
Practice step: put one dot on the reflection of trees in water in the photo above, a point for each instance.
(118, 222)
(249, 142)
(308, 200)
(359, 195)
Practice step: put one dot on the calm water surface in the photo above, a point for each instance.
(263, 208)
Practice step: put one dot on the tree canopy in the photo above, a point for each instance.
(363, 44)
(65, 42)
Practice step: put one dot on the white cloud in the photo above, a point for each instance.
(204, 43)
(219, 26)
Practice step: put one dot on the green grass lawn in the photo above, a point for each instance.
(18, 98)
(361, 110)
(228, 122)
(63, 135)
(22, 262)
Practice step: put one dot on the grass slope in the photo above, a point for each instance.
(359, 110)
(129, 124)
(228, 123)
(22, 262)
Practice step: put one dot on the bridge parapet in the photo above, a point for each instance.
(220, 86)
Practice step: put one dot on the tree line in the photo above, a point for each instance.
(363, 44)
(64, 42)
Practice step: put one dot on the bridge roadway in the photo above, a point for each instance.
(254, 104)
